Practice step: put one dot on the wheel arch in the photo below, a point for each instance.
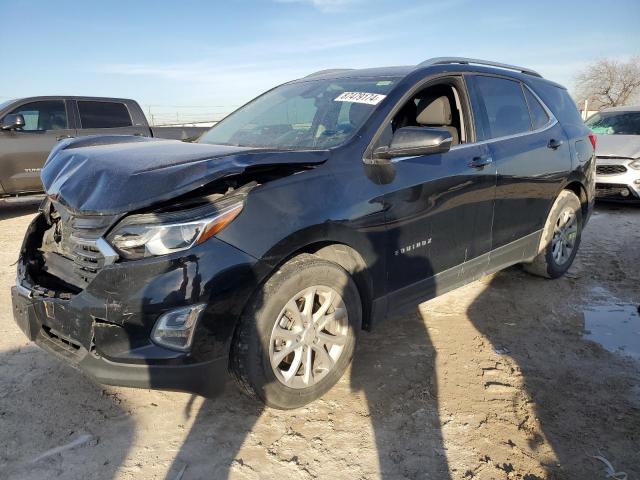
(580, 191)
(353, 262)
(334, 250)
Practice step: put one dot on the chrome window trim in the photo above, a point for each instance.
(367, 157)
(544, 105)
(461, 146)
(552, 119)
(551, 123)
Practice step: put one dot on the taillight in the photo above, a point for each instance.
(593, 138)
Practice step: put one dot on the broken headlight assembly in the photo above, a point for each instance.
(153, 234)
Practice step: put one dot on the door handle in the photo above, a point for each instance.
(481, 161)
(554, 144)
(63, 137)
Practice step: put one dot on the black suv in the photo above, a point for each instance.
(317, 209)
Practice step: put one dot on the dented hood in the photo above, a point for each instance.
(111, 175)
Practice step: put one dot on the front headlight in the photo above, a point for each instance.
(175, 328)
(148, 235)
(635, 164)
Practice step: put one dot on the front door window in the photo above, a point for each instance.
(43, 115)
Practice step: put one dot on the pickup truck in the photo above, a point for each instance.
(31, 127)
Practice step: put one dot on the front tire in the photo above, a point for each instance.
(297, 335)
(560, 238)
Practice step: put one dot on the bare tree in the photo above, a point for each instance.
(609, 83)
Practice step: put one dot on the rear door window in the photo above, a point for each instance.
(500, 106)
(103, 114)
(43, 115)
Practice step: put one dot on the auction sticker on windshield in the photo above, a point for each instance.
(360, 97)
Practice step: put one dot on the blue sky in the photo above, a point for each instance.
(205, 57)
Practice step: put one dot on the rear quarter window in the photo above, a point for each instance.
(558, 100)
(539, 117)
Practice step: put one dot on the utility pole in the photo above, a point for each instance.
(586, 106)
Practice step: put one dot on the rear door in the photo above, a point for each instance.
(23, 152)
(102, 117)
(530, 151)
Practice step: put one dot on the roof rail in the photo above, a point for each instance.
(475, 61)
(327, 71)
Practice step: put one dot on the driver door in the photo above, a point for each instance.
(24, 151)
(439, 211)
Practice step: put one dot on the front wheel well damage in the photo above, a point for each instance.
(580, 192)
(342, 255)
(350, 259)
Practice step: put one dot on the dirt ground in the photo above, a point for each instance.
(492, 381)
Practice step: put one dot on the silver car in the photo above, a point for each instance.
(618, 153)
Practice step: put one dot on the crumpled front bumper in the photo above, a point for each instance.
(205, 378)
(105, 329)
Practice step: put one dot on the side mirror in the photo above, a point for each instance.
(12, 121)
(414, 141)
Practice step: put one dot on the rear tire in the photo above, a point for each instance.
(560, 238)
(297, 335)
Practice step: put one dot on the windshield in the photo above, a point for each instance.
(615, 123)
(6, 103)
(317, 114)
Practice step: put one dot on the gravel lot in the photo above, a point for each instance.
(492, 381)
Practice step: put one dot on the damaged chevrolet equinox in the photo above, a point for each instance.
(316, 210)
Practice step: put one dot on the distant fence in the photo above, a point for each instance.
(202, 115)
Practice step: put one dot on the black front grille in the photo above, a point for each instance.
(610, 169)
(77, 244)
(87, 258)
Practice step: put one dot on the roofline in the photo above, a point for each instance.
(327, 71)
(463, 63)
(475, 61)
(71, 97)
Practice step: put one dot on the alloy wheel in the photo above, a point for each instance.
(565, 233)
(308, 337)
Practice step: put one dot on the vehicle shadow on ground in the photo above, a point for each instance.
(581, 405)
(394, 370)
(8, 211)
(56, 423)
(224, 424)
(581, 394)
(394, 367)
